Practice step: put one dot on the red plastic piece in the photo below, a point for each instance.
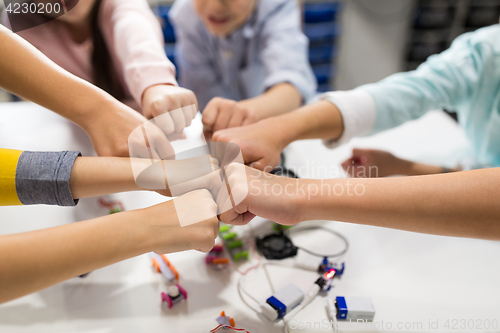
(209, 259)
(182, 291)
(217, 249)
(166, 298)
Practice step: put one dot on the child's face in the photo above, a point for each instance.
(221, 17)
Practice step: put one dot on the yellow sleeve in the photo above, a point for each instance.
(8, 166)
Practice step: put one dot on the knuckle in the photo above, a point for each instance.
(250, 116)
(212, 205)
(156, 106)
(208, 237)
(232, 168)
(204, 194)
(216, 100)
(191, 96)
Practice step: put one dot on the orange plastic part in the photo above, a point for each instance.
(217, 261)
(172, 268)
(231, 320)
(155, 264)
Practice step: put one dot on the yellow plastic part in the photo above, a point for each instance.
(8, 166)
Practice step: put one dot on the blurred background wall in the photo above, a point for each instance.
(373, 41)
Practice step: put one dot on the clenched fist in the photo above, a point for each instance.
(221, 113)
(172, 107)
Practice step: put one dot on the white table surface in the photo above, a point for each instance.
(413, 279)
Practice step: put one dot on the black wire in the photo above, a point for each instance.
(282, 170)
(339, 235)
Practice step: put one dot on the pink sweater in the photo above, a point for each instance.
(135, 43)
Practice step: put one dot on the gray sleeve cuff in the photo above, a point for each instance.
(43, 178)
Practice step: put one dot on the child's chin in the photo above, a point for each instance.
(219, 30)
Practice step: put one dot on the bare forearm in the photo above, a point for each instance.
(30, 74)
(279, 99)
(321, 120)
(462, 204)
(35, 260)
(94, 176)
(419, 169)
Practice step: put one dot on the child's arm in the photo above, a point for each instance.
(462, 204)
(285, 54)
(277, 100)
(445, 80)
(35, 260)
(261, 143)
(130, 27)
(28, 73)
(223, 113)
(60, 178)
(94, 176)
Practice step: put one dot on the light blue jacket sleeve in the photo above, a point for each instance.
(284, 51)
(447, 80)
(195, 69)
(465, 78)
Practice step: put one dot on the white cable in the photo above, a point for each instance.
(240, 286)
(299, 229)
(311, 294)
(264, 266)
(335, 327)
(332, 313)
(241, 289)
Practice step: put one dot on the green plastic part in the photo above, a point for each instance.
(240, 255)
(279, 227)
(229, 236)
(224, 228)
(235, 244)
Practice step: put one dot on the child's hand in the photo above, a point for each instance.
(221, 113)
(113, 132)
(260, 193)
(371, 163)
(260, 143)
(196, 209)
(178, 105)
